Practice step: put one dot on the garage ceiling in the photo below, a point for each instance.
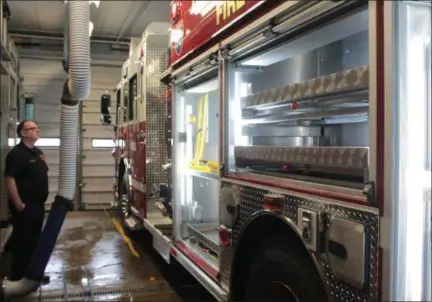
(112, 19)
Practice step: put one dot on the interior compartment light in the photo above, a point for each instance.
(205, 87)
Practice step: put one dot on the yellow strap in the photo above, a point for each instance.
(204, 128)
(197, 146)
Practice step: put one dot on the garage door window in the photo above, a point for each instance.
(42, 142)
(106, 143)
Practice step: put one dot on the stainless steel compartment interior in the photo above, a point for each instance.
(196, 151)
(304, 104)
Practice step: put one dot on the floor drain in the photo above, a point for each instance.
(139, 290)
(98, 292)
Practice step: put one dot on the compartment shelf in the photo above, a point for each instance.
(206, 234)
(346, 81)
(340, 160)
(202, 174)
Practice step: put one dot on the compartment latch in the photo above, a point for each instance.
(369, 192)
(310, 224)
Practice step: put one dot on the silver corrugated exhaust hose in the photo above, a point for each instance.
(68, 150)
(76, 88)
(79, 51)
(65, 61)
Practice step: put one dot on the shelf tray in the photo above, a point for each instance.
(207, 234)
(349, 79)
(345, 160)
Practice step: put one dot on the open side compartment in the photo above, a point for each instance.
(196, 163)
(299, 110)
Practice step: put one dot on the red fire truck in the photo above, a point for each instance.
(294, 149)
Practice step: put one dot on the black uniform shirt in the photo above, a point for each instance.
(30, 171)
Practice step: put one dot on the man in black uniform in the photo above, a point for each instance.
(26, 176)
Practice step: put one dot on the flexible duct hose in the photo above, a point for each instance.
(79, 51)
(66, 38)
(76, 88)
(68, 150)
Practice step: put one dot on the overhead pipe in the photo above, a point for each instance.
(94, 40)
(75, 89)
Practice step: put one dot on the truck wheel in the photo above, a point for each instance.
(283, 272)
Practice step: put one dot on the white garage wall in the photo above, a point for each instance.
(45, 79)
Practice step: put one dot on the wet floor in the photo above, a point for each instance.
(94, 261)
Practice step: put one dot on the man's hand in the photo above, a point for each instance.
(13, 193)
(21, 207)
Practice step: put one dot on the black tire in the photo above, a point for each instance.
(283, 272)
(125, 197)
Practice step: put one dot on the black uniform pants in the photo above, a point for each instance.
(27, 228)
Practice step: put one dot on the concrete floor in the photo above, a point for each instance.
(93, 261)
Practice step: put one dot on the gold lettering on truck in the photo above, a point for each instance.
(226, 9)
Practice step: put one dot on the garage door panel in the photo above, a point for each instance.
(45, 93)
(94, 118)
(53, 183)
(49, 116)
(46, 80)
(104, 182)
(52, 157)
(94, 198)
(94, 107)
(98, 131)
(49, 131)
(102, 84)
(99, 188)
(97, 171)
(95, 94)
(54, 171)
(99, 158)
(41, 67)
(106, 72)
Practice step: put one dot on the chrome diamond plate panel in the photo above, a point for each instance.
(340, 157)
(156, 108)
(339, 81)
(251, 201)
